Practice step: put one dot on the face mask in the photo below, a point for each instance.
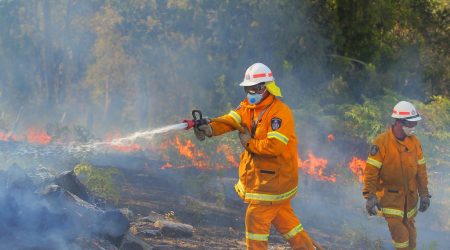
(408, 131)
(254, 98)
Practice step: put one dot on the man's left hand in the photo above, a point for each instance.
(245, 137)
(424, 203)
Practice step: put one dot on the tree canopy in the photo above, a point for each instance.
(139, 63)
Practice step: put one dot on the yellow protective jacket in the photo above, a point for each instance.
(396, 173)
(268, 170)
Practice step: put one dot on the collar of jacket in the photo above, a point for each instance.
(260, 105)
(408, 142)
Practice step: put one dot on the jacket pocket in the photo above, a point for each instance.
(392, 198)
(393, 191)
(262, 171)
(266, 175)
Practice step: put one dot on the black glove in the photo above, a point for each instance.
(202, 131)
(199, 134)
(372, 205)
(245, 137)
(424, 203)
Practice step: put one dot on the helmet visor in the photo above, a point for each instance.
(255, 88)
(414, 118)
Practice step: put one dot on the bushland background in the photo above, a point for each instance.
(107, 67)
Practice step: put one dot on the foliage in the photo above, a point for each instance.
(434, 130)
(365, 121)
(117, 64)
(100, 180)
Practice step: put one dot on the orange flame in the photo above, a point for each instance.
(191, 156)
(186, 149)
(167, 165)
(4, 137)
(357, 166)
(38, 136)
(331, 138)
(225, 149)
(315, 167)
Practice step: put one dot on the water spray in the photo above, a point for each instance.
(185, 124)
(81, 150)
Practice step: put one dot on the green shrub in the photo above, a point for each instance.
(100, 180)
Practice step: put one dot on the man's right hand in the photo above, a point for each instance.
(424, 203)
(372, 205)
(202, 131)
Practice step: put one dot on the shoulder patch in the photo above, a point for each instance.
(275, 123)
(374, 150)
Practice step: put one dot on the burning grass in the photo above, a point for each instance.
(206, 171)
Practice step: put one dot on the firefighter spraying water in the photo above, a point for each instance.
(197, 121)
(124, 144)
(268, 171)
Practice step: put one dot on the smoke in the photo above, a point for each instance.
(113, 66)
(28, 220)
(92, 65)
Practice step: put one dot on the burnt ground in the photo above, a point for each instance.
(218, 221)
(216, 225)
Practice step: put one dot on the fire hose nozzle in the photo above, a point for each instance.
(195, 123)
(199, 120)
(190, 124)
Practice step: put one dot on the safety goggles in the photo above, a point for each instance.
(255, 88)
(409, 124)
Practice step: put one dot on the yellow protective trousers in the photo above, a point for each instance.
(403, 232)
(260, 217)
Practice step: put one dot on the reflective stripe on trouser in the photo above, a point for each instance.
(403, 232)
(397, 212)
(259, 217)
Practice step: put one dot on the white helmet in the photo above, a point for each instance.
(405, 110)
(257, 73)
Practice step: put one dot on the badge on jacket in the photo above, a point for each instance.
(374, 150)
(276, 123)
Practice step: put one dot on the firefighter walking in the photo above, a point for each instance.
(268, 170)
(395, 177)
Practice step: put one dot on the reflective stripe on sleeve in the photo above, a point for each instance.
(411, 213)
(258, 237)
(421, 161)
(279, 136)
(240, 187)
(265, 197)
(236, 117)
(374, 162)
(293, 232)
(401, 244)
(392, 211)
